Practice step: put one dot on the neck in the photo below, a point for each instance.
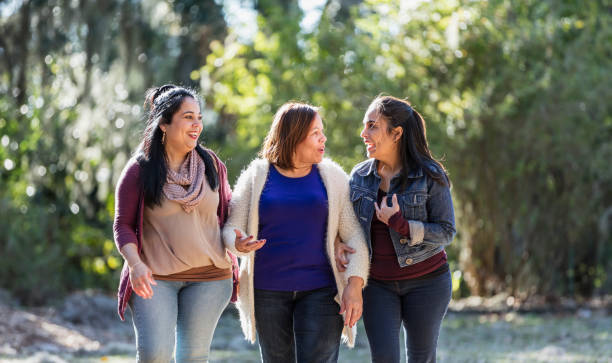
(175, 158)
(298, 171)
(389, 166)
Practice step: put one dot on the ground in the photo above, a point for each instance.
(85, 329)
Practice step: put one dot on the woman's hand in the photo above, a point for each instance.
(141, 278)
(340, 254)
(384, 212)
(352, 301)
(245, 244)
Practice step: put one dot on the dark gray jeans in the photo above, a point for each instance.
(419, 304)
(298, 324)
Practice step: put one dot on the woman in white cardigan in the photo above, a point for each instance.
(289, 206)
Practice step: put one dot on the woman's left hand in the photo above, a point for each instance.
(352, 301)
(384, 212)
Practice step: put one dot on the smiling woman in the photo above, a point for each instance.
(171, 202)
(296, 202)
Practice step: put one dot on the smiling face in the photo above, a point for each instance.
(311, 150)
(183, 131)
(380, 143)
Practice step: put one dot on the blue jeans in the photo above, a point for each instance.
(419, 304)
(298, 324)
(187, 312)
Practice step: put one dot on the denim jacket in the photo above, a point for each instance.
(425, 203)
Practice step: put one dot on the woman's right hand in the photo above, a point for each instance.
(246, 244)
(340, 254)
(141, 278)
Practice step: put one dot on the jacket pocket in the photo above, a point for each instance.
(414, 206)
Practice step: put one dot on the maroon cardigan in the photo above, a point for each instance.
(129, 212)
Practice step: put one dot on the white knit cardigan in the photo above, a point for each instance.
(244, 216)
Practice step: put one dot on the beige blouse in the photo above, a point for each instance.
(175, 241)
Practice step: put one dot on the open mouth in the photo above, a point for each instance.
(194, 135)
(369, 146)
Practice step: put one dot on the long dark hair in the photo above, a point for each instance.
(162, 103)
(413, 148)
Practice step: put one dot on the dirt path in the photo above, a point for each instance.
(85, 328)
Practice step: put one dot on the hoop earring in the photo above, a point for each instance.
(164, 138)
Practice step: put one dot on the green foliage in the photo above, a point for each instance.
(516, 99)
(515, 96)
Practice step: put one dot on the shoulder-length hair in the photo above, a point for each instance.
(163, 102)
(290, 127)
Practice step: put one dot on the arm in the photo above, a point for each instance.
(439, 229)
(351, 234)
(127, 195)
(141, 276)
(234, 237)
(225, 190)
(127, 200)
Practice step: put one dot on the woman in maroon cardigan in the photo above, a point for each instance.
(170, 203)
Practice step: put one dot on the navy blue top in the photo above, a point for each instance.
(293, 219)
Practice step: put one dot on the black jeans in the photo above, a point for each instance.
(298, 324)
(419, 304)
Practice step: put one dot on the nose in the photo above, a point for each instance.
(324, 137)
(363, 131)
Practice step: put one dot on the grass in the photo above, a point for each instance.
(465, 337)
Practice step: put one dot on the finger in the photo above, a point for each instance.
(238, 233)
(394, 199)
(347, 318)
(342, 305)
(246, 239)
(256, 243)
(343, 258)
(147, 289)
(383, 202)
(377, 208)
(348, 249)
(340, 266)
(355, 316)
(257, 246)
(151, 279)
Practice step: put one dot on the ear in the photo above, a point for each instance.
(163, 127)
(397, 133)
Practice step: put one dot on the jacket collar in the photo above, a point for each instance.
(371, 167)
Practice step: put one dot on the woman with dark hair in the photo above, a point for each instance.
(402, 198)
(170, 204)
(296, 202)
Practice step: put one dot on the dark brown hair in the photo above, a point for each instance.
(413, 148)
(290, 127)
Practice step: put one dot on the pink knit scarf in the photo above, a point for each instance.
(186, 187)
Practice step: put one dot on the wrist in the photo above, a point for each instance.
(355, 282)
(135, 264)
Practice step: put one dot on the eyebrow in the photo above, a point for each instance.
(186, 112)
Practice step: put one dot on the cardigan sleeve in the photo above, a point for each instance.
(239, 208)
(127, 199)
(351, 233)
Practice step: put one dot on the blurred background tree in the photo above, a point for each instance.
(516, 97)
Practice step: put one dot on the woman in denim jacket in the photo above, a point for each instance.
(402, 199)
